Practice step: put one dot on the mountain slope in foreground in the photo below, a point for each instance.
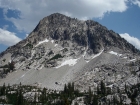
(62, 49)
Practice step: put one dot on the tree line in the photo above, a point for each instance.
(17, 95)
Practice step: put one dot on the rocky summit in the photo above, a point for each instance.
(62, 49)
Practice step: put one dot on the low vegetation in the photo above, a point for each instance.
(7, 68)
(56, 57)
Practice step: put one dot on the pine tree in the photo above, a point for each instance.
(3, 89)
(65, 88)
(43, 96)
(115, 100)
(35, 97)
(66, 102)
(89, 95)
(98, 90)
(103, 88)
(73, 86)
(20, 97)
(95, 100)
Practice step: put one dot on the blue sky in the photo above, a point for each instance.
(123, 22)
(19, 17)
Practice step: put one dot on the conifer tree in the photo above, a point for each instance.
(35, 97)
(103, 88)
(89, 95)
(95, 100)
(65, 88)
(3, 89)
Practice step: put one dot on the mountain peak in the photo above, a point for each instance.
(62, 49)
(57, 15)
(63, 29)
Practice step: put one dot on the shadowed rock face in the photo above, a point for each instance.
(82, 33)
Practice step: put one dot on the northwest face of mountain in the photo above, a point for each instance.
(62, 49)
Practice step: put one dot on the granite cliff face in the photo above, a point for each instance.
(63, 49)
(65, 30)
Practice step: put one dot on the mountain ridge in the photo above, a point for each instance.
(89, 31)
(63, 49)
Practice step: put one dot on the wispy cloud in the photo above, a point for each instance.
(31, 11)
(8, 38)
(136, 2)
(134, 41)
(5, 27)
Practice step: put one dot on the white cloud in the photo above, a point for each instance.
(8, 38)
(134, 41)
(136, 2)
(31, 11)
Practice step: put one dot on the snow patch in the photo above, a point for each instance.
(115, 53)
(85, 52)
(33, 52)
(46, 40)
(22, 76)
(111, 86)
(87, 61)
(125, 57)
(52, 41)
(94, 56)
(70, 62)
(132, 60)
(40, 67)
